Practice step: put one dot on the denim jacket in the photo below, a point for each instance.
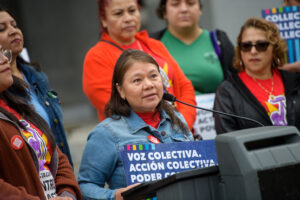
(101, 161)
(48, 99)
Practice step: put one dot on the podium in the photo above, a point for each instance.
(254, 164)
(192, 185)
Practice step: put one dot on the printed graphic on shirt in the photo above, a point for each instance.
(166, 70)
(277, 110)
(39, 142)
(166, 73)
(211, 57)
(48, 184)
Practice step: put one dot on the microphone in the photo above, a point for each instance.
(169, 97)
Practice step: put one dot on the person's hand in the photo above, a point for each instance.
(291, 67)
(61, 198)
(118, 195)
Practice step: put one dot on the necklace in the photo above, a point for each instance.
(271, 96)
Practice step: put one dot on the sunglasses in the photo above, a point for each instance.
(260, 46)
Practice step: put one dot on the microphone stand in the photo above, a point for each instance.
(169, 97)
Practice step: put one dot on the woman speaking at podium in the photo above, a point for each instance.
(260, 91)
(136, 114)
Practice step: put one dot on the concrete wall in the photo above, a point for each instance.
(60, 32)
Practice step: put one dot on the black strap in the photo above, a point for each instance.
(113, 44)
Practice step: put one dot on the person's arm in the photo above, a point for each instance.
(185, 93)
(9, 191)
(183, 88)
(98, 164)
(224, 103)
(97, 78)
(292, 67)
(65, 181)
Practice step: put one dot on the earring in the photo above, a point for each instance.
(278, 62)
(241, 63)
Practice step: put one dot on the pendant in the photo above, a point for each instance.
(271, 97)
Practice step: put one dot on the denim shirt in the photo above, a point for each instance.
(48, 99)
(101, 161)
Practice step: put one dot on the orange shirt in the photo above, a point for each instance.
(99, 65)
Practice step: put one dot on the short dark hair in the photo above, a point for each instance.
(120, 107)
(101, 11)
(161, 9)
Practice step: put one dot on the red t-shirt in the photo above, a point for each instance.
(276, 107)
(150, 119)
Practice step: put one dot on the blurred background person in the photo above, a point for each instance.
(205, 57)
(32, 166)
(291, 2)
(120, 21)
(45, 101)
(260, 90)
(136, 114)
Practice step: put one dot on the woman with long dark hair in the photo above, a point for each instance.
(32, 166)
(45, 101)
(136, 114)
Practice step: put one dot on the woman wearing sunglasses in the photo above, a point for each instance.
(260, 90)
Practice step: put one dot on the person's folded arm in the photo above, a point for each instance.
(9, 191)
(65, 181)
(183, 88)
(97, 77)
(223, 102)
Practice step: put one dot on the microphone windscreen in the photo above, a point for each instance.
(169, 97)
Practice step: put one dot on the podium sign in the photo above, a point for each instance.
(287, 20)
(150, 162)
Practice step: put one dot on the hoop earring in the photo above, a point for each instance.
(278, 62)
